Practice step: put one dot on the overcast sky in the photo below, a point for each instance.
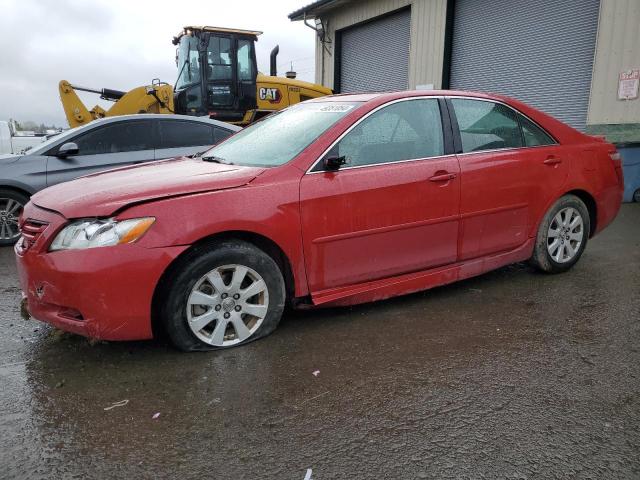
(122, 44)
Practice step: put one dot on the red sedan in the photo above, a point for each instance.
(335, 201)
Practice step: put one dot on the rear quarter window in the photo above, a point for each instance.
(534, 136)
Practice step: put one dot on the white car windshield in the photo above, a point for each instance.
(280, 137)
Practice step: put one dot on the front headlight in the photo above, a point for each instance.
(93, 233)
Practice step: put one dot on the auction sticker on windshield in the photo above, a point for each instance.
(335, 108)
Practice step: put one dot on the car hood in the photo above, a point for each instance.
(8, 158)
(103, 194)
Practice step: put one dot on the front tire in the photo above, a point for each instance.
(562, 235)
(11, 205)
(222, 295)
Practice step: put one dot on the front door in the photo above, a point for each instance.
(108, 146)
(391, 209)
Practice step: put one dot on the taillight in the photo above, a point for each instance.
(617, 164)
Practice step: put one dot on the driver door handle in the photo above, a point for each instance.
(551, 161)
(442, 177)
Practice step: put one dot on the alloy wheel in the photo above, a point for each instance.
(565, 235)
(10, 211)
(227, 305)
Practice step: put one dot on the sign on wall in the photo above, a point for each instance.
(628, 83)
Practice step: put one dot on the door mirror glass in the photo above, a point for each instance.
(67, 149)
(333, 162)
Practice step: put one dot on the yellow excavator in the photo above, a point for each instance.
(217, 76)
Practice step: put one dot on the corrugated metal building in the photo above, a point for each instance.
(563, 56)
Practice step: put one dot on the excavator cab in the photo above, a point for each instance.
(217, 73)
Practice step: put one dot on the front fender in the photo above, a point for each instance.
(270, 210)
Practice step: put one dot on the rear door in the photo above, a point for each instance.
(510, 169)
(107, 146)
(183, 137)
(391, 209)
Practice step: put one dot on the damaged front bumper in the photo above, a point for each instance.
(104, 293)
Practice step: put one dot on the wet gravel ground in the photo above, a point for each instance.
(513, 374)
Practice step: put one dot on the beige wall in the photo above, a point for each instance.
(617, 49)
(427, 42)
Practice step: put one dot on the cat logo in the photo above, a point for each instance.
(271, 95)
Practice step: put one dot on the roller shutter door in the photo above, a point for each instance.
(538, 51)
(375, 56)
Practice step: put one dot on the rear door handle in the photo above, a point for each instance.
(442, 177)
(552, 161)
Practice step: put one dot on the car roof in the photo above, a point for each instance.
(347, 97)
(169, 116)
(383, 97)
(561, 131)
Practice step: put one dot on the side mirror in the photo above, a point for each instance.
(333, 162)
(67, 149)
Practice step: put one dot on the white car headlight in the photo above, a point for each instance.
(93, 233)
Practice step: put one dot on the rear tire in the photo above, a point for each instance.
(222, 295)
(636, 196)
(562, 235)
(11, 206)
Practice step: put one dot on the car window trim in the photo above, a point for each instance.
(456, 128)
(444, 115)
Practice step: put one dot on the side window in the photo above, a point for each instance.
(177, 133)
(534, 135)
(406, 130)
(486, 125)
(115, 138)
(245, 65)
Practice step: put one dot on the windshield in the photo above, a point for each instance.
(188, 62)
(281, 136)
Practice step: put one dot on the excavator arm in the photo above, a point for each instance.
(154, 98)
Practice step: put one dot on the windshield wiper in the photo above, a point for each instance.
(215, 159)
